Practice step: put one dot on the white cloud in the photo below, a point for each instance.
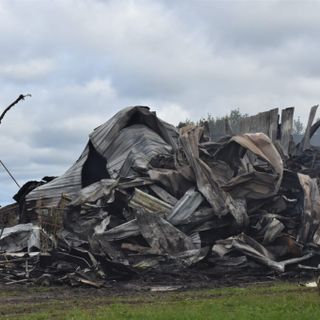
(84, 60)
(27, 70)
(173, 113)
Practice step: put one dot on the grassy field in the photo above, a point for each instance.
(276, 301)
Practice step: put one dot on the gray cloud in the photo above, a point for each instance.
(84, 60)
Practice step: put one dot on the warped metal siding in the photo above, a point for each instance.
(103, 136)
(134, 143)
(132, 136)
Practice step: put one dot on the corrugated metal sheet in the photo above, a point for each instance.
(286, 129)
(129, 139)
(148, 203)
(266, 122)
(103, 136)
(134, 147)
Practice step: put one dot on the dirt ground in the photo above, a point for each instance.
(24, 301)
(19, 300)
(25, 293)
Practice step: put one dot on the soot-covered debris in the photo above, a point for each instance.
(144, 198)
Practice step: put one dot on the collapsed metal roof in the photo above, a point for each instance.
(132, 135)
(144, 195)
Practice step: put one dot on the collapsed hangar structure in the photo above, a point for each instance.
(144, 196)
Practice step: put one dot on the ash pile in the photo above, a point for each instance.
(146, 198)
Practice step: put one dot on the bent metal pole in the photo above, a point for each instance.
(21, 97)
(9, 173)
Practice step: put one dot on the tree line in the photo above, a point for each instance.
(234, 118)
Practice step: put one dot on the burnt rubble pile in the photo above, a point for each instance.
(145, 197)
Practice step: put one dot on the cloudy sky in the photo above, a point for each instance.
(82, 61)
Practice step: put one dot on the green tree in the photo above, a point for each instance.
(184, 123)
(234, 117)
(298, 127)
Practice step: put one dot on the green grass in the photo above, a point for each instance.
(278, 301)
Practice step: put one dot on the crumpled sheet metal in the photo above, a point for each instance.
(185, 207)
(122, 231)
(173, 200)
(272, 230)
(103, 136)
(262, 146)
(310, 221)
(305, 143)
(189, 137)
(163, 194)
(221, 202)
(159, 137)
(95, 191)
(133, 148)
(172, 180)
(163, 236)
(142, 200)
(19, 237)
(253, 249)
(254, 184)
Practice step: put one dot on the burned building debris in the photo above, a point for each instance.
(144, 196)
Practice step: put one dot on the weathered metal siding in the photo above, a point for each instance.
(154, 136)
